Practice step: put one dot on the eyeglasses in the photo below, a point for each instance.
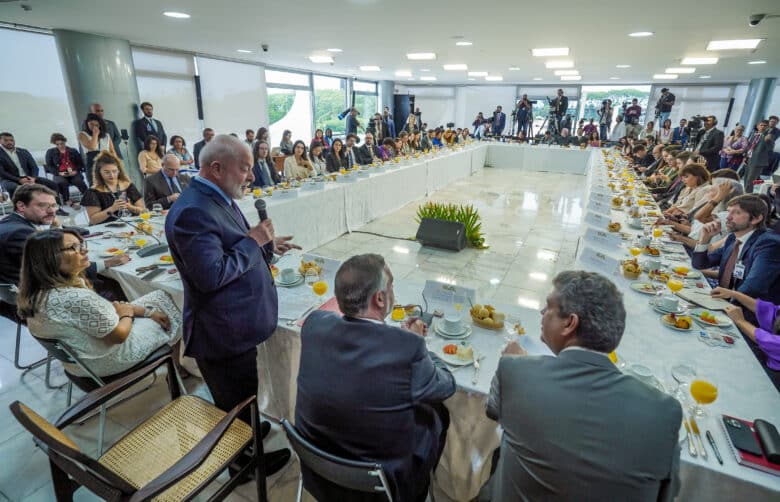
(77, 248)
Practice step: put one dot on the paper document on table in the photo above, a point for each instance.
(293, 306)
(444, 294)
(597, 261)
(703, 300)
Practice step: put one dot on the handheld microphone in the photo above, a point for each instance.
(158, 248)
(261, 212)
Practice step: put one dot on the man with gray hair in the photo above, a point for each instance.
(368, 391)
(165, 186)
(575, 427)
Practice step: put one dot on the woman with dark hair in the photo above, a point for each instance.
(59, 303)
(179, 149)
(65, 165)
(286, 144)
(297, 165)
(328, 139)
(336, 159)
(317, 158)
(697, 190)
(593, 139)
(263, 135)
(149, 162)
(94, 139)
(111, 192)
(319, 137)
(263, 170)
(665, 132)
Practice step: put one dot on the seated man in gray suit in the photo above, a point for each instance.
(165, 186)
(368, 391)
(575, 427)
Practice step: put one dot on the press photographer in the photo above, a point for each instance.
(605, 118)
(631, 116)
(522, 114)
(664, 105)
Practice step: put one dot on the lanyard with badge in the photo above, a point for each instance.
(739, 270)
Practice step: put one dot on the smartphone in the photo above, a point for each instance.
(742, 436)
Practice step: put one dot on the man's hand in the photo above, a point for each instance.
(26, 180)
(262, 233)
(172, 197)
(709, 230)
(116, 261)
(283, 244)
(415, 325)
(514, 349)
(735, 313)
(722, 293)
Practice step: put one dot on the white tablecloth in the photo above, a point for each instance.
(538, 158)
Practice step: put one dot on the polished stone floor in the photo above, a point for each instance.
(531, 223)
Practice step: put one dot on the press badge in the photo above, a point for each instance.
(739, 270)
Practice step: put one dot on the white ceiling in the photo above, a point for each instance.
(381, 32)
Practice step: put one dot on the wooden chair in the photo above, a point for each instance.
(173, 455)
(368, 477)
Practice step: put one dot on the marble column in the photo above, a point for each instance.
(759, 96)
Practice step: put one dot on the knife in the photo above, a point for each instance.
(695, 428)
(475, 378)
(691, 448)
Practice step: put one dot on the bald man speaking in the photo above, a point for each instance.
(230, 301)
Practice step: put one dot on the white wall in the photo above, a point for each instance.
(471, 100)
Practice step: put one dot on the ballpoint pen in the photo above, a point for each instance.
(714, 447)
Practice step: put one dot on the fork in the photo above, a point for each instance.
(475, 378)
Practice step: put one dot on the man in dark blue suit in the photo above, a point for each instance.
(749, 258)
(208, 135)
(368, 391)
(17, 167)
(230, 301)
(499, 121)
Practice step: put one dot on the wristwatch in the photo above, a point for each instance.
(148, 310)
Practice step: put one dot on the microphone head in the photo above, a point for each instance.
(260, 205)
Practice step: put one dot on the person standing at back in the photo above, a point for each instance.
(760, 150)
(208, 135)
(148, 125)
(575, 427)
(111, 128)
(230, 300)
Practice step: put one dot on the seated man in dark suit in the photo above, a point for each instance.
(165, 186)
(565, 435)
(17, 166)
(565, 139)
(34, 208)
(368, 391)
(208, 135)
(368, 152)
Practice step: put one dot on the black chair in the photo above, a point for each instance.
(8, 296)
(60, 351)
(368, 477)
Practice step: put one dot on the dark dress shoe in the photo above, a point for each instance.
(274, 461)
(265, 429)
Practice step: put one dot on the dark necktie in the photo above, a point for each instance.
(151, 123)
(728, 270)
(239, 214)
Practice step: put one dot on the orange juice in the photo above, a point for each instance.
(319, 288)
(703, 392)
(398, 313)
(680, 270)
(145, 215)
(635, 251)
(675, 284)
(658, 232)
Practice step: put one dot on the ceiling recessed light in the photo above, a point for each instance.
(761, 61)
(559, 73)
(455, 67)
(464, 43)
(478, 74)
(421, 56)
(428, 79)
(320, 59)
(334, 49)
(176, 15)
(679, 70)
(639, 34)
(403, 73)
(704, 76)
(494, 78)
(571, 77)
(243, 51)
(614, 78)
(622, 66)
(559, 64)
(550, 52)
(471, 79)
(425, 69)
(698, 61)
(369, 68)
(537, 78)
(724, 45)
(514, 68)
(665, 76)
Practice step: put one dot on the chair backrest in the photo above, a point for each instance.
(57, 350)
(8, 293)
(368, 477)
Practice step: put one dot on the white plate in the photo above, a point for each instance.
(692, 274)
(454, 360)
(637, 286)
(662, 310)
(675, 327)
(104, 254)
(296, 282)
(722, 321)
(465, 334)
(440, 327)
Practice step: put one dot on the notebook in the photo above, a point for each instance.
(759, 462)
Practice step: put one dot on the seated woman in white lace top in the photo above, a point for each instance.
(58, 302)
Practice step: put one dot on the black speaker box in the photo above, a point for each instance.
(442, 234)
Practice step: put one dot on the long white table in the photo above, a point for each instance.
(552, 159)
(318, 217)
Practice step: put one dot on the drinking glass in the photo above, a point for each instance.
(124, 213)
(4, 197)
(674, 284)
(635, 251)
(319, 288)
(311, 276)
(157, 208)
(703, 392)
(146, 215)
(682, 374)
(658, 232)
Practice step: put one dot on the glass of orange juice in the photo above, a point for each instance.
(703, 392)
(319, 288)
(145, 215)
(681, 270)
(635, 251)
(658, 232)
(398, 313)
(675, 284)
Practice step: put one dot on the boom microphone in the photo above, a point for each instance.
(261, 212)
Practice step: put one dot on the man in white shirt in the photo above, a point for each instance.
(619, 130)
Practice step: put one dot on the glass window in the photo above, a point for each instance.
(286, 78)
(359, 86)
(148, 60)
(33, 98)
(234, 97)
(174, 103)
(620, 95)
(330, 99)
(289, 109)
(367, 106)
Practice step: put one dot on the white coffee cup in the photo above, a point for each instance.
(287, 275)
(645, 241)
(451, 324)
(653, 264)
(669, 303)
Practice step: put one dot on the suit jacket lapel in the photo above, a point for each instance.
(207, 190)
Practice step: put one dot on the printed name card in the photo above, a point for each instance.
(602, 238)
(602, 190)
(597, 261)
(444, 294)
(600, 196)
(599, 208)
(597, 220)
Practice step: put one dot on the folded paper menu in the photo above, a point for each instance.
(703, 300)
(331, 305)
